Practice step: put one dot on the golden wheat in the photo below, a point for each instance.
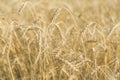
(59, 40)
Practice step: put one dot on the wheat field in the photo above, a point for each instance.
(59, 39)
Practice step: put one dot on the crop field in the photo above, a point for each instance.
(59, 39)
